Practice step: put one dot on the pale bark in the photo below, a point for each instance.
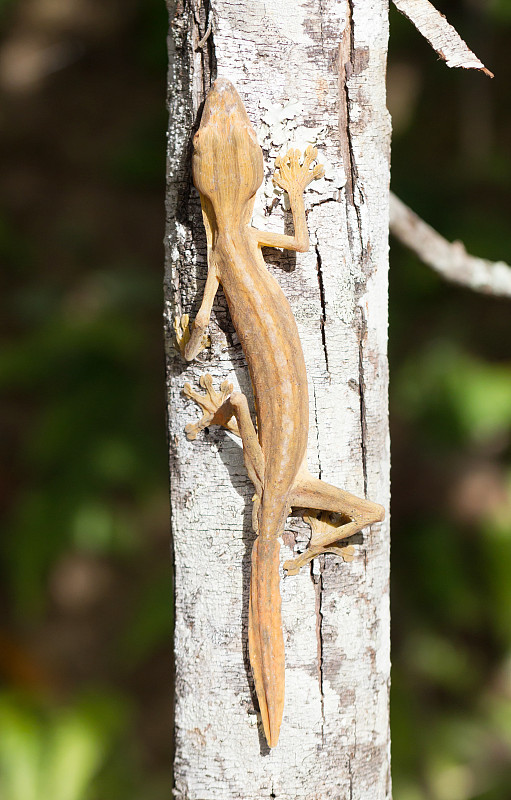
(323, 61)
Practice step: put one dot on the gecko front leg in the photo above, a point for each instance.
(183, 335)
(191, 342)
(219, 409)
(211, 402)
(293, 175)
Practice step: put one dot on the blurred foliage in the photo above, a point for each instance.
(450, 353)
(55, 753)
(85, 712)
(85, 643)
(455, 398)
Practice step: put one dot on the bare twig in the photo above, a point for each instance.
(440, 34)
(449, 259)
(206, 35)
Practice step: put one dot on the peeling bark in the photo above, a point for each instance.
(330, 58)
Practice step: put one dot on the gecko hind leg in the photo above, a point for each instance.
(230, 410)
(322, 523)
(328, 533)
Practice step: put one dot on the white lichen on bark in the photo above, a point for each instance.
(334, 742)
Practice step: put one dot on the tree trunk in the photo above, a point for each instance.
(329, 59)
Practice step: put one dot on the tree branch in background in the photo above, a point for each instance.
(449, 259)
(440, 34)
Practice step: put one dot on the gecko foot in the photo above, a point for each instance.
(210, 402)
(183, 333)
(293, 176)
(327, 524)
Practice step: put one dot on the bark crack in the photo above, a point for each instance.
(361, 393)
(318, 589)
(346, 70)
(316, 424)
(206, 44)
(318, 582)
(346, 49)
(322, 321)
(315, 204)
(321, 25)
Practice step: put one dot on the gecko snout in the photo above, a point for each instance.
(222, 102)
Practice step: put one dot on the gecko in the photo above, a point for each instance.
(227, 167)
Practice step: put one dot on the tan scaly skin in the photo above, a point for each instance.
(227, 171)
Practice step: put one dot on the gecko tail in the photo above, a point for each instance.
(265, 640)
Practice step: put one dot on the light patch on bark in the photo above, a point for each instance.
(334, 740)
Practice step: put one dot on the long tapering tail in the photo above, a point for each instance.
(265, 640)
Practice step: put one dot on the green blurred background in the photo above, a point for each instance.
(86, 591)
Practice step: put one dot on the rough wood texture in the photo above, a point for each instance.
(320, 65)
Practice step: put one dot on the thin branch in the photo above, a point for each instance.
(449, 259)
(207, 34)
(440, 34)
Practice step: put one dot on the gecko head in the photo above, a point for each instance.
(222, 102)
(227, 159)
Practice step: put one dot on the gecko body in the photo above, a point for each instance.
(227, 170)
